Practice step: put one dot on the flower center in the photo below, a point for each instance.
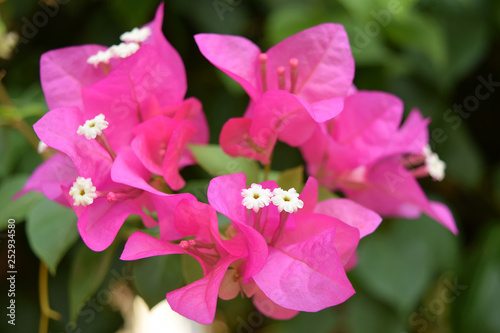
(83, 192)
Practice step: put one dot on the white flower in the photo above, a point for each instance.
(137, 35)
(93, 127)
(435, 166)
(83, 192)
(287, 201)
(101, 57)
(42, 147)
(256, 197)
(124, 50)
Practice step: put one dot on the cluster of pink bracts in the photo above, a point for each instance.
(120, 124)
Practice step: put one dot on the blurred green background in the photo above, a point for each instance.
(413, 276)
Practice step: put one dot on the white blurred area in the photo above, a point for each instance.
(138, 318)
(161, 318)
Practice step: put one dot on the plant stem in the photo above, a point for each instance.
(45, 311)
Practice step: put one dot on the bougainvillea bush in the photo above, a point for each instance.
(133, 168)
(120, 128)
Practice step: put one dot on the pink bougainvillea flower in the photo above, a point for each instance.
(100, 128)
(100, 202)
(214, 252)
(65, 71)
(319, 61)
(159, 143)
(278, 249)
(283, 105)
(304, 268)
(277, 115)
(366, 154)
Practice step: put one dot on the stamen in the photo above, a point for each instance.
(103, 141)
(120, 196)
(294, 73)
(281, 77)
(420, 172)
(191, 246)
(263, 71)
(258, 149)
(287, 201)
(199, 244)
(137, 35)
(256, 197)
(278, 234)
(412, 160)
(83, 192)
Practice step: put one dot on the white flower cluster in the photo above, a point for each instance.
(93, 127)
(256, 198)
(434, 165)
(136, 35)
(131, 43)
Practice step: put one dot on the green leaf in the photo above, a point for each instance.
(292, 178)
(13, 147)
(420, 33)
(464, 165)
(214, 161)
(88, 271)
(12, 113)
(366, 315)
(21, 207)
(132, 13)
(396, 265)
(51, 230)
(155, 276)
(323, 322)
(198, 188)
(191, 269)
(479, 285)
(324, 194)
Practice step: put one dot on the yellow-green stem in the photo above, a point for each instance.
(45, 311)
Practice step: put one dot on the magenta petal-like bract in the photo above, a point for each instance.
(140, 245)
(58, 129)
(326, 65)
(351, 213)
(393, 191)
(236, 56)
(271, 309)
(64, 72)
(198, 300)
(48, 178)
(306, 276)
